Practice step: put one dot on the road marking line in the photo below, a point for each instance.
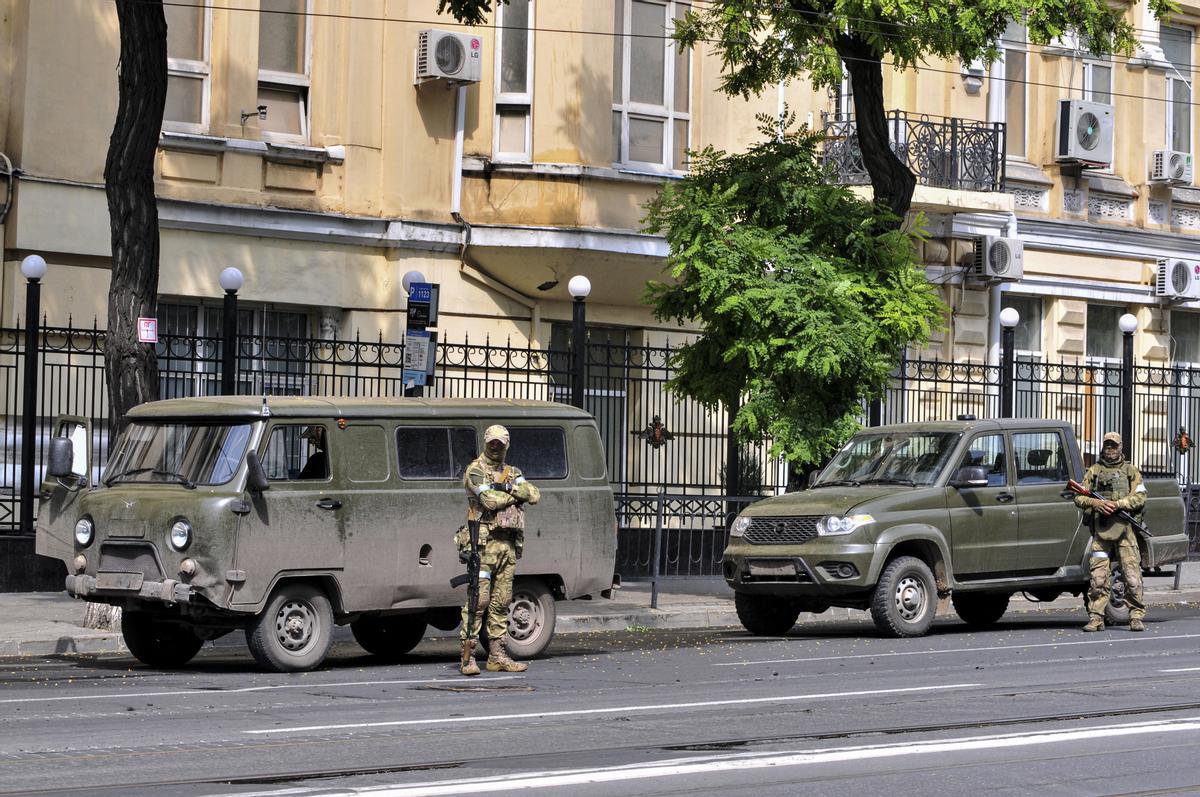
(613, 710)
(1140, 640)
(1183, 669)
(244, 689)
(749, 761)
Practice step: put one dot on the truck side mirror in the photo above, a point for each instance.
(60, 457)
(256, 478)
(812, 477)
(971, 476)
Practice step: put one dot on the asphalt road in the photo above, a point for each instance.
(1029, 706)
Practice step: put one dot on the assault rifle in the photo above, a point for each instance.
(471, 559)
(1123, 515)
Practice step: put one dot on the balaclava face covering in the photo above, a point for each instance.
(490, 434)
(1112, 455)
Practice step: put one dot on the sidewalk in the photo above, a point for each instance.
(47, 623)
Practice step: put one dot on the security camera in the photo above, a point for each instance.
(262, 112)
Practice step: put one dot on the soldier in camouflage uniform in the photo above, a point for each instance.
(496, 497)
(1121, 485)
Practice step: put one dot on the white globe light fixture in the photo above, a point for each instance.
(579, 286)
(33, 267)
(409, 279)
(1127, 323)
(231, 279)
(1009, 317)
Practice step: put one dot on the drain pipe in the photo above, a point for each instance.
(467, 265)
(995, 296)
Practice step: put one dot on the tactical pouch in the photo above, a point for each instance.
(462, 539)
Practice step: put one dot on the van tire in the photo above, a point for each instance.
(294, 631)
(905, 599)
(158, 643)
(531, 619)
(1117, 610)
(764, 615)
(389, 638)
(980, 608)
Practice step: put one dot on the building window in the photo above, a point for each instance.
(1097, 81)
(188, 70)
(1027, 335)
(651, 86)
(514, 81)
(1177, 47)
(283, 65)
(1185, 337)
(1103, 334)
(1015, 55)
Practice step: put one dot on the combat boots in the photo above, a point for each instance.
(1136, 624)
(468, 665)
(1096, 623)
(498, 660)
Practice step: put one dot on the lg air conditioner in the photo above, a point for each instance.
(999, 259)
(1171, 167)
(1177, 280)
(454, 57)
(1085, 133)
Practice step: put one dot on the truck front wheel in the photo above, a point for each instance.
(763, 615)
(294, 631)
(158, 643)
(905, 599)
(980, 608)
(389, 638)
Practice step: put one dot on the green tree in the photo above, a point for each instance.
(762, 43)
(804, 298)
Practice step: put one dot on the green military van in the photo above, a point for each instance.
(285, 516)
(906, 514)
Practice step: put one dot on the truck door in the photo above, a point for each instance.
(57, 512)
(1048, 522)
(983, 520)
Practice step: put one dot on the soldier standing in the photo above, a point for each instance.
(1121, 485)
(496, 497)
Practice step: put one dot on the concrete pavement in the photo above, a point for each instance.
(45, 623)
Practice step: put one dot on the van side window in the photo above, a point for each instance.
(1041, 457)
(297, 452)
(434, 452)
(540, 453)
(987, 451)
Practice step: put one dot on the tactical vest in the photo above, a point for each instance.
(510, 517)
(1113, 482)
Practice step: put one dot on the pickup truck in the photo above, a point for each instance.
(906, 514)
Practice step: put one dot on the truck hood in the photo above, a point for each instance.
(823, 500)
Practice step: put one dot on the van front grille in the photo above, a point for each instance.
(781, 530)
(139, 558)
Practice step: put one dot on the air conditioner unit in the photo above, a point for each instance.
(1085, 133)
(1171, 167)
(455, 57)
(999, 259)
(1177, 279)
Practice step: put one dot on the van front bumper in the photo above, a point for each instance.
(129, 585)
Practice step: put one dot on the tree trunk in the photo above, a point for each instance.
(102, 616)
(891, 181)
(131, 367)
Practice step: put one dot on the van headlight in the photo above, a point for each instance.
(181, 535)
(85, 531)
(739, 527)
(836, 525)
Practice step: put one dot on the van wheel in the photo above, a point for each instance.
(764, 615)
(1117, 611)
(389, 638)
(158, 643)
(294, 631)
(531, 616)
(905, 599)
(980, 608)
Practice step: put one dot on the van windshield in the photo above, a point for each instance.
(180, 453)
(913, 458)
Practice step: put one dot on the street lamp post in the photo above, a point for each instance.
(231, 281)
(33, 268)
(579, 287)
(1009, 318)
(1128, 325)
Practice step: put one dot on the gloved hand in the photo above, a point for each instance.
(504, 487)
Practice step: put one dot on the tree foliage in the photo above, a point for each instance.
(805, 301)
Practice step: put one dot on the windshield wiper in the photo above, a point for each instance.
(110, 479)
(908, 482)
(184, 480)
(838, 483)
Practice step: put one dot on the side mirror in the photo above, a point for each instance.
(256, 479)
(812, 477)
(973, 476)
(60, 457)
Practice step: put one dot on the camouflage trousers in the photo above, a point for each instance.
(499, 560)
(1125, 550)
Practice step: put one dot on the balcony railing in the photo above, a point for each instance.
(960, 154)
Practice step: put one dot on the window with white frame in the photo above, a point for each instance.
(1177, 47)
(1185, 337)
(843, 100)
(1097, 81)
(188, 69)
(283, 69)
(1015, 53)
(514, 81)
(652, 79)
